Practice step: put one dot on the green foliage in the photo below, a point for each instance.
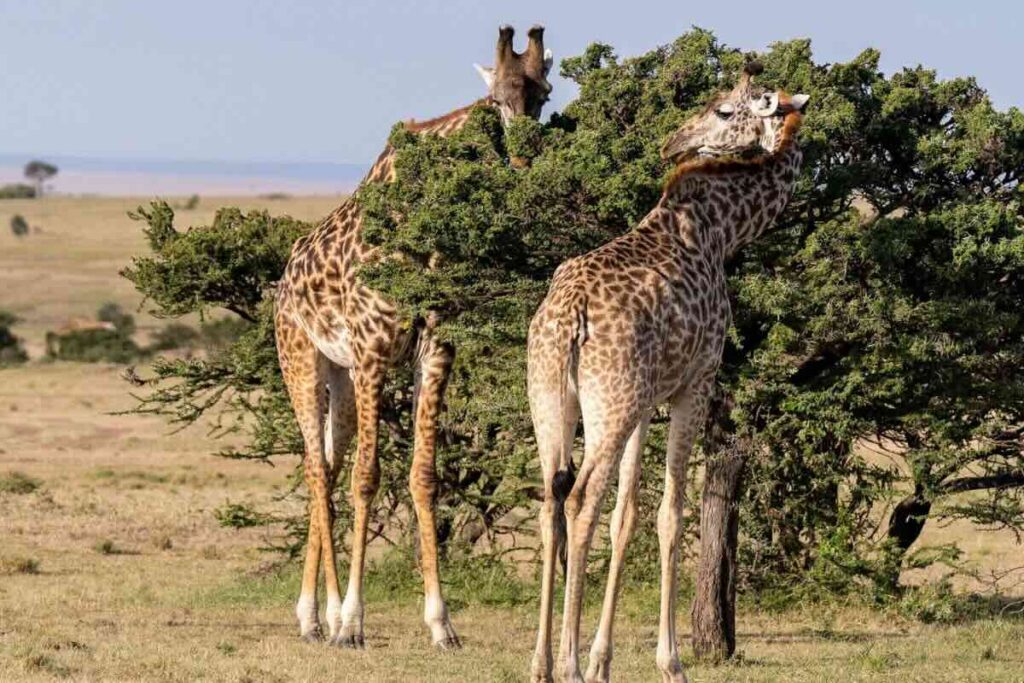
(17, 191)
(884, 305)
(19, 226)
(11, 350)
(229, 265)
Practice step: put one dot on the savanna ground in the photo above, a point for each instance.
(114, 567)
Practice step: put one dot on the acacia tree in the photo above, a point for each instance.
(39, 172)
(884, 305)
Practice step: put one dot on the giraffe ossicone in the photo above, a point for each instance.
(638, 323)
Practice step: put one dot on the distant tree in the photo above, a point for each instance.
(39, 172)
(19, 226)
(17, 191)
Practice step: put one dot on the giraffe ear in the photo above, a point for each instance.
(799, 102)
(487, 74)
(549, 59)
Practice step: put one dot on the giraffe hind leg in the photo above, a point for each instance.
(338, 432)
(303, 370)
(432, 374)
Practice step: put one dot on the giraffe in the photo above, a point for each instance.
(639, 322)
(336, 341)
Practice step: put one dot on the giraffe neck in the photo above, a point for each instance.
(723, 205)
(383, 170)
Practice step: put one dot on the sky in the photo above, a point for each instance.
(324, 80)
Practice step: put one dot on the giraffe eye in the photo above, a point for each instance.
(725, 110)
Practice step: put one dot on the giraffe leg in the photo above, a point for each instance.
(432, 372)
(555, 421)
(582, 509)
(303, 370)
(688, 413)
(623, 523)
(369, 381)
(338, 433)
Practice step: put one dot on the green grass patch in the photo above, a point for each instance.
(18, 483)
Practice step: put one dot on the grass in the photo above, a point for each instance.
(194, 600)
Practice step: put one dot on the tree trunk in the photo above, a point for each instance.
(714, 603)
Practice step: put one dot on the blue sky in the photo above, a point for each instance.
(323, 80)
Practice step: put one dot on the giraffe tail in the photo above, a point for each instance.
(571, 336)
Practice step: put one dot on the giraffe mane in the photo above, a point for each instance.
(726, 165)
(414, 126)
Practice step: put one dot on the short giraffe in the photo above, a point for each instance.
(336, 340)
(639, 322)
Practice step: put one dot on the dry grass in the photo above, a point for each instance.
(115, 568)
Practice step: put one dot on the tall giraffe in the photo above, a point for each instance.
(639, 322)
(336, 340)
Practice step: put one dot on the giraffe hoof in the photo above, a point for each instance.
(451, 642)
(313, 636)
(352, 641)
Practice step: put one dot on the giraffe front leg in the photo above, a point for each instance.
(688, 412)
(433, 371)
(582, 510)
(620, 530)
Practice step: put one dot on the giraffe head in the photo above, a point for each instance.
(746, 122)
(518, 82)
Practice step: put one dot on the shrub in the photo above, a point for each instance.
(17, 191)
(18, 483)
(239, 516)
(18, 565)
(107, 341)
(11, 350)
(19, 226)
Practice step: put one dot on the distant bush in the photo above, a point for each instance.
(175, 336)
(18, 483)
(106, 547)
(113, 313)
(106, 341)
(191, 203)
(17, 191)
(240, 516)
(218, 335)
(18, 565)
(92, 346)
(11, 350)
(19, 226)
